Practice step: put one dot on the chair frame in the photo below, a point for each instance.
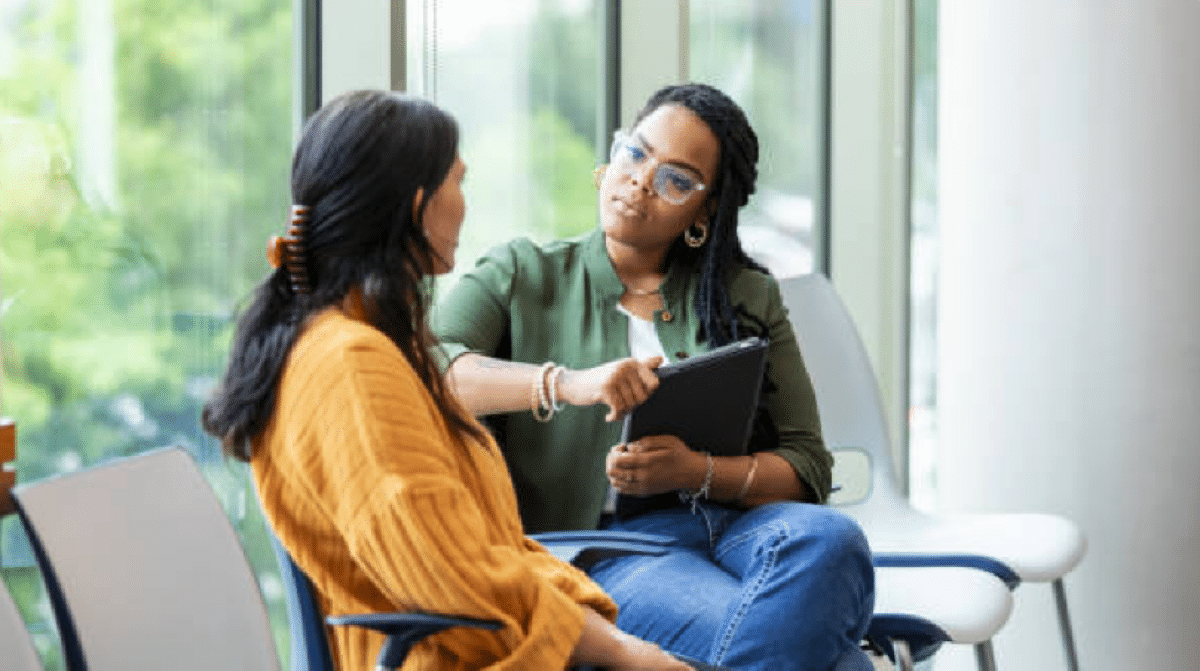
(310, 646)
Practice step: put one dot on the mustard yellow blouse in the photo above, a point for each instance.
(366, 488)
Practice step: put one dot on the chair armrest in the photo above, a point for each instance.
(979, 562)
(404, 630)
(604, 535)
(584, 548)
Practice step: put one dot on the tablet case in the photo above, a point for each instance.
(708, 400)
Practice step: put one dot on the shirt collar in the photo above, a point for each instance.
(608, 286)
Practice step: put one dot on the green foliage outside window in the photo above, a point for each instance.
(117, 303)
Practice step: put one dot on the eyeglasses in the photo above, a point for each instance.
(673, 184)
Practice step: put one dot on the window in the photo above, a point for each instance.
(144, 158)
(923, 433)
(524, 80)
(769, 56)
(521, 77)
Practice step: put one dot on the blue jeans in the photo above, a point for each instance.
(781, 586)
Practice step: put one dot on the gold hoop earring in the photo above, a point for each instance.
(598, 175)
(695, 240)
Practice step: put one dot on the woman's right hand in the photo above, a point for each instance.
(621, 385)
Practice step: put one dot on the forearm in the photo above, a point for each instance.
(657, 464)
(773, 479)
(599, 644)
(488, 386)
(602, 644)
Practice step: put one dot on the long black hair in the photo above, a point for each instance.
(357, 168)
(737, 174)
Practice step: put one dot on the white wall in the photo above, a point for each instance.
(1070, 316)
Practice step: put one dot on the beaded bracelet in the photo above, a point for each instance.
(538, 399)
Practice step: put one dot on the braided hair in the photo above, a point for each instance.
(737, 172)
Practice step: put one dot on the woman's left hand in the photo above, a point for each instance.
(653, 465)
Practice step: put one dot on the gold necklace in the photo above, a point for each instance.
(642, 292)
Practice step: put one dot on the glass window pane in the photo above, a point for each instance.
(144, 158)
(923, 424)
(766, 55)
(521, 78)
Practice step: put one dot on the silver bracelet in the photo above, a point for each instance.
(555, 373)
(538, 399)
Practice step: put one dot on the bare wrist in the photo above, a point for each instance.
(698, 472)
(568, 391)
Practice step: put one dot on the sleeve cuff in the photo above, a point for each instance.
(810, 476)
(445, 353)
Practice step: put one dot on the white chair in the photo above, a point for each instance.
(923, 607)
(1013, 547)
(143, 569)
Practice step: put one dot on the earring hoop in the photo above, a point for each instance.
(598, 175)
(695, 240)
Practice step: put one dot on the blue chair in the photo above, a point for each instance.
(310, 646)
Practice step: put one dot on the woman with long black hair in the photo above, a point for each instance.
(384, 490)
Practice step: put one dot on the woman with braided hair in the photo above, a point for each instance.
(383, 489)
(557, 342)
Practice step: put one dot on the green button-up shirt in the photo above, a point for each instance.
(558, 302)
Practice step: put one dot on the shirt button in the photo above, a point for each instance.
(666, 315)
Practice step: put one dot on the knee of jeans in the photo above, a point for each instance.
(835, 535)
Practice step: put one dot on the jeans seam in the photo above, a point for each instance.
(780, 531)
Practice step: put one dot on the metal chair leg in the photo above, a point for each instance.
(1064, 625)
(904, 661)
(985, 656)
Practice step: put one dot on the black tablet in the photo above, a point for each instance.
(707, 400)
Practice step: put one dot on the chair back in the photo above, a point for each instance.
(144, 570)
(310, 645)
(846, 388)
